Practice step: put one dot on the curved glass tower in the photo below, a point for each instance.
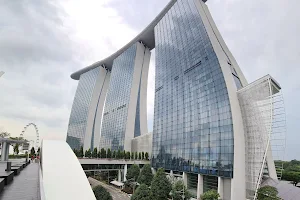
(192, 118)
(207, 118)
(80, 109)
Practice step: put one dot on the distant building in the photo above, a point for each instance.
(210, 126)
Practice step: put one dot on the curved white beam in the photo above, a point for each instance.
(62, 174)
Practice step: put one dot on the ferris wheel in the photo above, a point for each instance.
(37, 141)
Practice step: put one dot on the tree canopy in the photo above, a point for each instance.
(133, 172)
(103, 153)
(177, 191)
(32, 152)
(291, 170)
(210, 195)
(160, 186)
(95, 153)
(80, 152)
(292, 176)
(267, 193)
(4, 134)
(146, 156)
(16, 149)
(88, 153)
(108, 153)
(142, 193)
(145, 176)
(101, 193)
(127, 155)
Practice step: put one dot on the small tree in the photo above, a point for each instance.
(16, 149)
(145, 176)
(143, 156)
(75, 152)
(267, 193)
(80, 153)
(132, 155)
(142, 193)
(114, 155)
(127, 155)
(124, 155)
(292, 176)
(177, 191)
(101, 193)
(133, 172)
(99, 154)
(146, 156)
(160, 186)
(95, 153)
(38, 151)
(4, 134)
(108, 153)
(140, 156)
(119, 154)
(32, 152)
(136, 155)
(210, 195)
(103, 153)
(88, 153)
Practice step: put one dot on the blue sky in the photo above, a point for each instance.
(43, 42)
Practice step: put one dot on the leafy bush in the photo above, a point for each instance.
(210, 195)
(101, 193)
(267, 193)
(142, 193)
(145, 176)
(133, 172)
(177, 191)
(160, 186)
(17, 156)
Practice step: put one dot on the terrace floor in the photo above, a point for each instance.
(25, 186)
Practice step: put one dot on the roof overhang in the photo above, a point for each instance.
(146, 37)
(8, 140)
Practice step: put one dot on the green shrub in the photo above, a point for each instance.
(101, 193)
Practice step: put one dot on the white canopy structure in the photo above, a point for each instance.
(62, 176)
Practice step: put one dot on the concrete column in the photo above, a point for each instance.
(7, 152)
(96, 110)
(125, 172)
(171, 173)
(136, 77)
(3, 151)
(184, 178)
(200, 186)
(119, 176)
(271, 164)
(220, 187)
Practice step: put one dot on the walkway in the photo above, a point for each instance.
(25, 186)
(115, 193)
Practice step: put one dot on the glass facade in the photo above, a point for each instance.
(193, 129)
(117, 101)
(137, 124)
(80, 109)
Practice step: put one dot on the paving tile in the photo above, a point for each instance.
(25, 186)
